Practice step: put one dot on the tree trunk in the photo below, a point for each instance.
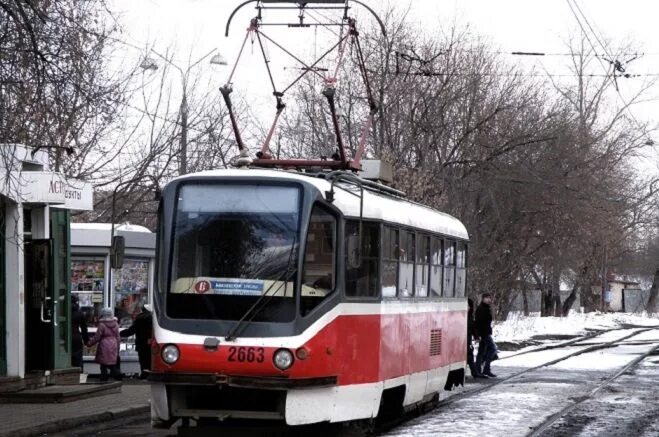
(541, 284)
(587, 299)
(525, 300)
(557, 304)
(547, 303)
(570, 300)
(555, 308)
(652, 300)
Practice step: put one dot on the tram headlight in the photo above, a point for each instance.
(170, 354)
(283, 359)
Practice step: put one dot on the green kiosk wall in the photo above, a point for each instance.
(3, 336)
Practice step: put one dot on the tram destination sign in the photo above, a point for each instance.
(223, 286)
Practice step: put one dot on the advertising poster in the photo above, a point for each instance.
(131, 284)
(88, 284)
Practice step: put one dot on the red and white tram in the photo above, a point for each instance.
(303, 297)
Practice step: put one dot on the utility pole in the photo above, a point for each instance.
(183, 163)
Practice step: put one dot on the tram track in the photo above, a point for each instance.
(489, 386)
(561, 344)
(574, 341)
(544, 426)
(391, 423)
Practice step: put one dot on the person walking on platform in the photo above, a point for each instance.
(487, 349)
(79, 333)
(142, 329)
(475, 372)
(107, 351)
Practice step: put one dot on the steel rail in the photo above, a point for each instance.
(571, 342)
(547, 347)
(544, 426)
(420, 410)
(606, 345)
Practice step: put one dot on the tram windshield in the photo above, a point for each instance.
(234, 244)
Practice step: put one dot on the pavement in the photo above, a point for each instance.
(26, 420)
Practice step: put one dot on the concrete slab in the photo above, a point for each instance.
(61, 393)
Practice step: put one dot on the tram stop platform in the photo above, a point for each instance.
(60, 393)
(55, 408)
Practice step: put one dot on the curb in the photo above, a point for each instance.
(73, 422)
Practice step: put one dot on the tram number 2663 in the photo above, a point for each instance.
(249, 354)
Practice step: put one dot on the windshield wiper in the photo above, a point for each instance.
(282, 280)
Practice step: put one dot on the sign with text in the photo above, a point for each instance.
(225, 286)
(53, 188)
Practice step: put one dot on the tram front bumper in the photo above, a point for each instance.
(257, 382)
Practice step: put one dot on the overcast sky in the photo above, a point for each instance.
(195, 27)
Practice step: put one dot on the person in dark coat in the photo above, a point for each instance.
(487, 349)
(475, 372)
(107, 351)
(79, 335)
(142, 329)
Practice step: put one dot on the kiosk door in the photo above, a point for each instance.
(60, 279)
(38, 306)
(47, 306)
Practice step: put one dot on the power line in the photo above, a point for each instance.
(585, 33)
(439, 74)
(604, 47)
(613, 61)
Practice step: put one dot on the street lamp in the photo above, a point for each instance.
(149, 64)
(218, 59)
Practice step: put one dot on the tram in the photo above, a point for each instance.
(296, 290)
(303, 297)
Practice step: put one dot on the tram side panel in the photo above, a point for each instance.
(414, 345)
(355, 356)
(418, 349)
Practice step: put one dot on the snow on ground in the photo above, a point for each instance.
(519, 328)
(586, 361)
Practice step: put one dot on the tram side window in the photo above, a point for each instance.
(318, 279)
(406, 265)
(436, 270)
(362, 268)
(449, 268)
(422, 268)
(460, 276)
(389, 261)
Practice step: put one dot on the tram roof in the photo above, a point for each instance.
(377, 206)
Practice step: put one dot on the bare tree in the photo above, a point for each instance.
(539, 171)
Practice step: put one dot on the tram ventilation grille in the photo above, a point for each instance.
(435, 342)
